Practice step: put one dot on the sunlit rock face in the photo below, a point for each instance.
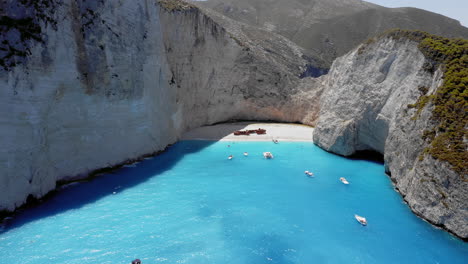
(365, 107)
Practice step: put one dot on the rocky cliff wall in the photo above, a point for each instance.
(365, 106)
(90, 84)
(84, 96)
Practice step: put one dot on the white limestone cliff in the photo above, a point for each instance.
(365, 107)
(85, 99)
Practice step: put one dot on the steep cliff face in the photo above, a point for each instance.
(83, 97)
(91, 84)
(367, 105)
(221, 73)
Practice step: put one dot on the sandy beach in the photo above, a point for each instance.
(278, 131)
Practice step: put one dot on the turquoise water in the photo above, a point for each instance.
(193, 205)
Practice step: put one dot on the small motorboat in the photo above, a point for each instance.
(246, 154)
(275, 141)
(360, 219)
(136, 261)
(310, 174)
(343, 180)
(267, 155)
(230, 157)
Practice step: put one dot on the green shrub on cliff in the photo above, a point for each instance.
(450, 100)
(447, 140)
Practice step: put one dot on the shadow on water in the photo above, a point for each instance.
(369, 155)
(76, 195)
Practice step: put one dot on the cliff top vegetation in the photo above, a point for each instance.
(448, 138)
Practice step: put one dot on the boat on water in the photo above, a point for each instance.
(246, 154)
(343, 180)
(309, 173)
(267, 155)
(360, 219)
(275, 141)
(230, 157)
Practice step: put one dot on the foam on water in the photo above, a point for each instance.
(193, 205)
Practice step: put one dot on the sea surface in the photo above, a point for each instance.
(191, 204)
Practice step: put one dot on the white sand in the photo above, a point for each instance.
(224, 132)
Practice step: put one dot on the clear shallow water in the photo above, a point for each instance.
(202, 208)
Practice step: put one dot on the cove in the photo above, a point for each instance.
(191, 204)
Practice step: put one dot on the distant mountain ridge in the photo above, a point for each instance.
(328, 29)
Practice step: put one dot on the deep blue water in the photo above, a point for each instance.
(193, 205)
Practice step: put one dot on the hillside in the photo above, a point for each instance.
(331, 28)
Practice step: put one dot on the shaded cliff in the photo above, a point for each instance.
(397, 95)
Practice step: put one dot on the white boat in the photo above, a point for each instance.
(310, 174)
(246, 154)
(230, 157)
(267, 155)
(360, 219)
(343, 180)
